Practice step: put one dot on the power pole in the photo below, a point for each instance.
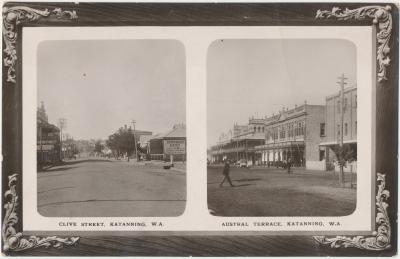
(134, 136)
(41, 143)
(342, 83)
(62, 122)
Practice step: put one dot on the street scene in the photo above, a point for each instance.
(282, 128)
(94, 186)
(111, 132)
(273, 192)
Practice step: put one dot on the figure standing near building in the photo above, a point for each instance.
(289, 165)
(226, 173)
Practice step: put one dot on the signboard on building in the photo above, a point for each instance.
(45, 147)
(175, 147)
(46, 142)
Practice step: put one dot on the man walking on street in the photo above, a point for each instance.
(289, 164)
(226, 173)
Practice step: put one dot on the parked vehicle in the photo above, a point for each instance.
(242, 163)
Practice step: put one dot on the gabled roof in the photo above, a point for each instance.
(176, 132)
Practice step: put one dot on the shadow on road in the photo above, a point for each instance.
(57, 169)
(240, 185)
(56, 189)
(248, 180)
(87, 160)
(240, 180)
(110, 200)
(47, 168)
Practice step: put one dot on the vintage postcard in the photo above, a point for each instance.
(171, 129)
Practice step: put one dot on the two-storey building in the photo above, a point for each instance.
(331, 130)
(48, 139)
(293, 135)
(239, 142)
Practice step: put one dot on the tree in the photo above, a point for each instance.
(98, 147)
(345, 154)
(122, 141)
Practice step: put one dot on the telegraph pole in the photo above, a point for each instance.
(342, 83)
(134, 136)
(41, 143)
(62, 124)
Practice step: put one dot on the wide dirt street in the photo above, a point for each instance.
(273, 192)
(106, 188)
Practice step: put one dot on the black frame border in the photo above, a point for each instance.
(196, 14)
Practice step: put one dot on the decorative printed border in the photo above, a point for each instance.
(380, 239)
(15, 241)
(16, 15)
(381, 16)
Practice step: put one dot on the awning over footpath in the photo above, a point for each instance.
(333, 143)
(286, 144)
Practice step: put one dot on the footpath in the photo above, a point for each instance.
(178, 166)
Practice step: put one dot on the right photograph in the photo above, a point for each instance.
(281, 127)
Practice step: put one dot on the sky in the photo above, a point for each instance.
(259, 77)
(99, 86)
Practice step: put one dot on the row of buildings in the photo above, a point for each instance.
(48, 139)
(51, 148)
(306, 135)
(167, 146)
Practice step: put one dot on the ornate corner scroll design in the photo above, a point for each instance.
(14, 16)
(380, 239)
(381, 16)
(14, 241)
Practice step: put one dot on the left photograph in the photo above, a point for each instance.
(111, 132)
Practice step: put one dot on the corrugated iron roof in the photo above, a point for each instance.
(176, 132)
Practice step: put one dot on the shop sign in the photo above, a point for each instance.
(175, 147)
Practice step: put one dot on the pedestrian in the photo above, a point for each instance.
(289, 164)
(226, 173)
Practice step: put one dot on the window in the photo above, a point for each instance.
(338, 130)
(321, 155)
(345, 129)
(322, 129)
(291, 129)
(301, 128)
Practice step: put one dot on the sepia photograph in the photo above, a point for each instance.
(111, 134)
(199, 129)
(282, 127)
